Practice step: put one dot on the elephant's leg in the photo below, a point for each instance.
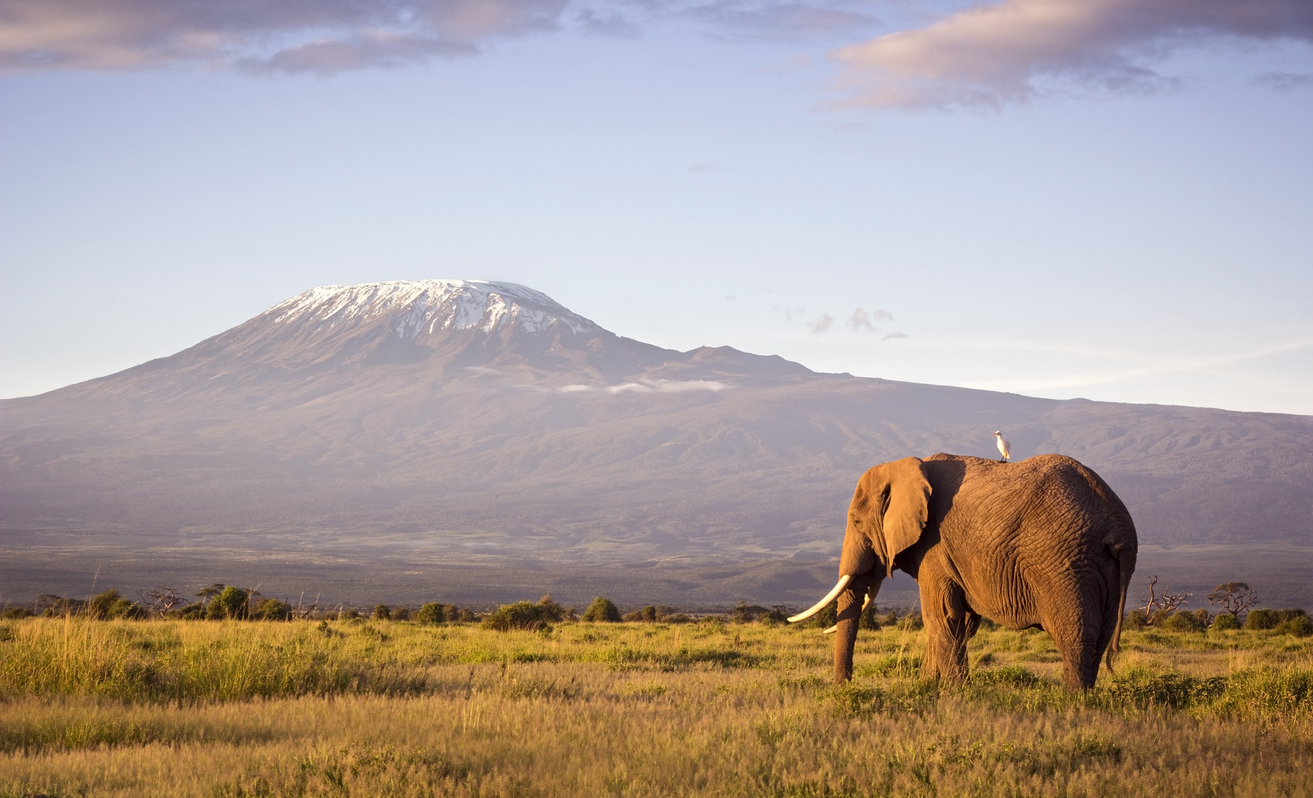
(948, 624)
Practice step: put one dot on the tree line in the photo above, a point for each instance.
(1234, 607)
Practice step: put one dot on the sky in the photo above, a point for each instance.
(1108, 199)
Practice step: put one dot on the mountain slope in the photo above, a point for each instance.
(466, 422)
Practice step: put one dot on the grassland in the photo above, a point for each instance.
(381, 708)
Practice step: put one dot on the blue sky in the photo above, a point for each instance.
(1104, 198)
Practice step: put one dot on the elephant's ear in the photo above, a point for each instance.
(907, 508)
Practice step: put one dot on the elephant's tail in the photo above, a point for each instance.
(1124, 556)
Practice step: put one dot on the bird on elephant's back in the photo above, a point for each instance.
(1043, 543)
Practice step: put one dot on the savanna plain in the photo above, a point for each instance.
(374, 707)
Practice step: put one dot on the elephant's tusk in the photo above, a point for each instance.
(820, 605)
(835, 628)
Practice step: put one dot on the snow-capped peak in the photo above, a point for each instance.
(427, 306)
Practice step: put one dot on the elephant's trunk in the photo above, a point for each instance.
(851, 604)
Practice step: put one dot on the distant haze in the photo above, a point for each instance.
(372, 434)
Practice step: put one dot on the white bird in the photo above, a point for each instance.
(1004, 448)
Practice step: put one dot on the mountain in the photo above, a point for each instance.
(482, 439)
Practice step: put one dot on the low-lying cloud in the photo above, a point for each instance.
(288, 36)
(1011, 51)
(648, 386)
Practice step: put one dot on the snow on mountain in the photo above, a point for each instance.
(427, 306)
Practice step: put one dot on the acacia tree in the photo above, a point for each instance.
(1166, 603)
(1233, 597)
(161, 599)
(207, 593)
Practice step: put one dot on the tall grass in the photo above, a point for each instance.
(397, 709)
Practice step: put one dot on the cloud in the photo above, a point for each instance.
(608, 23)
(1014, 50)
(893, 336)
(1284, 81)
(777, 21)
(823, 324)
(648, 386)
(317, 36)
(862, 320)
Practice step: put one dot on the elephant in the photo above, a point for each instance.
(1039, 544)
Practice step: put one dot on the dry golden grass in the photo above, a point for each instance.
(395, 709)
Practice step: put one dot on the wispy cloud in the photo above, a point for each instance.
(647, 386)
(1284, 81)
(822, 324)
(860, 320)
(1010, 51)
(775, 21)
(317, 36)
(608, 23)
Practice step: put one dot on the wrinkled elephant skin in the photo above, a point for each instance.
(1043, 543)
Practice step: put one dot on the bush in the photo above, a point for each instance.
(1135, 619)
(112, 605)
(14, 613)
(271, 609)
(382, 613)
(1182, 622)
(1262, 619)
(552, 612)
(1224, 621)
(870, 618)
(431, 613)
(230, 603)
(911, 621)
(400, 614)
(746, 613)
(602, 611)
(645, 615)
(1294, 622)
(520, 615)
(827, 617)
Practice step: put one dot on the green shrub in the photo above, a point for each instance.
(869, 619)
(1135, 619)
(271, 609)
(1224, 621)
(1182, 622)
(602, 610)
(645, 615)
(400, 614)
(230, 603)
(1262, 619)
(112, 605)
(827, 617)
(911, 622)
(1295, 622)
(14, 613)
(431, 613)
(382, 613)
(520, 615)
(552, 612)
